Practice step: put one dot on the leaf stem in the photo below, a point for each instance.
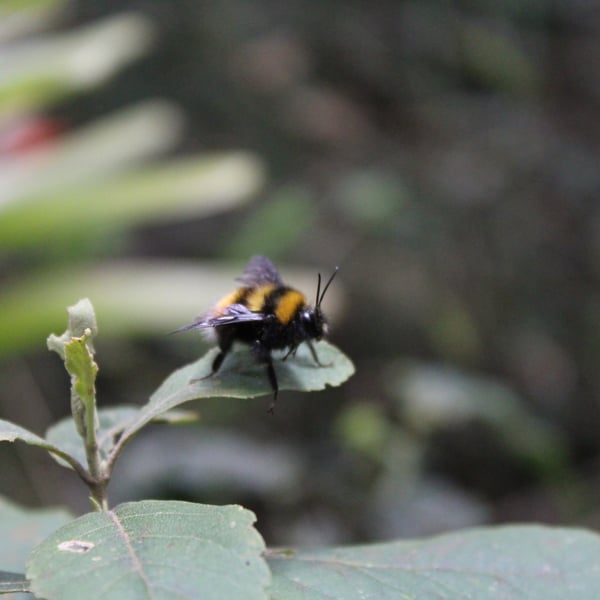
(96, 482)
(77, 466)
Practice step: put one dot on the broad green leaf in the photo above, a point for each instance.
(505, 563)
(153, 550)
(241, 377)
(111, 423)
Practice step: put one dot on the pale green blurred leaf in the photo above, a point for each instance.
(23, 17)
(36, 73)
(372, 199)
(194, 186)
(88, 156)
(496, 59)
(432, 397)
(508, 563)
(275, 226)
(154, 550)
(364, 428)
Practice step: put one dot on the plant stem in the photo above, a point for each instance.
(99, 496)
(99, 472)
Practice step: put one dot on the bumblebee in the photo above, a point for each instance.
(267, 315)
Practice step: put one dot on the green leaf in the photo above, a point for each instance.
(80, 364)
(275, 225)
(81, 322)
(505, 563)
(76, 349)
(22, 529)
(111, 423)
(36, 74)
(13, 582)
(198, 185)
(9, 432)
(241, 377)
(12, 6)
(153, 550)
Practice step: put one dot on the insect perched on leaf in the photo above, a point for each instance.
(267, 315)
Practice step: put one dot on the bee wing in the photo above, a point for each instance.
(259, 271)
(234, 313)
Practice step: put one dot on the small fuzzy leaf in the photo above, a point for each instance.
(81, 324)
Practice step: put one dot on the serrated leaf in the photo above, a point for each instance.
(82, 367)
(111, 423)
(155, 550)
(241, 377)
(505, 563)
(80, 364)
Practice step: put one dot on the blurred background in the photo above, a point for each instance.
(444, 154)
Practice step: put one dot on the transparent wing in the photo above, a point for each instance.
(259, 271)
(234, 313)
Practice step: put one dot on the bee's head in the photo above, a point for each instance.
(313, 319)
(314, 322)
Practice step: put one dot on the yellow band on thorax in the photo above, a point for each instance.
(255, 300)
(232, 298)
(288, 306)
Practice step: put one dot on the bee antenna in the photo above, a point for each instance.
(320, 299)
(318, 288)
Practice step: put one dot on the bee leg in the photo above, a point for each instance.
(291, 351)
(315, 357)
(264, 356)
(216, 365)
(225, 345)
(273, 381)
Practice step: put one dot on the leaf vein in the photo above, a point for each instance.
(137, 565)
